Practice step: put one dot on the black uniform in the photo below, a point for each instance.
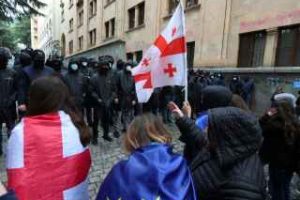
(36, 70)
(127, 96)
(104, 91)
(76, 83)
(8, 93)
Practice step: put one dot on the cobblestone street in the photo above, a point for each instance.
(104, 156)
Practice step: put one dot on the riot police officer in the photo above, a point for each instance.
(127, 95)
(36, 70)
(8, 92)
(76, 83)
(104, 91)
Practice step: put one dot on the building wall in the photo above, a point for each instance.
(214, 25)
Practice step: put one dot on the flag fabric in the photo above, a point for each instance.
(164, 63)
(151, 172)
(46, 160)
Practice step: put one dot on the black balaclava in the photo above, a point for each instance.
(57, 64)
(5, 55)
(120, 65)
(83, 62)
(104, 65)
(128, 67)
(25, 59)
(38, 59)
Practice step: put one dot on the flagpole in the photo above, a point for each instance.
(185, 60)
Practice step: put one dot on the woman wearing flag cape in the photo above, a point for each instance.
(47, 157)
(152, 171)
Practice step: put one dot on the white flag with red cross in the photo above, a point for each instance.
(47, 163)
(164, 63)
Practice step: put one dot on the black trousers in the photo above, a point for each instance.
(104, 115)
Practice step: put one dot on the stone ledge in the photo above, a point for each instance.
(256, 70)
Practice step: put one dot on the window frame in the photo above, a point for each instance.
(141, 18)
(131, 18)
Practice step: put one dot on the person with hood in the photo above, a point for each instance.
(76, 83)
(127, 95)
(104, 91)
(213, 96)
(281, 145)
(227, 165)
(153, 170)
(8, 93)
(30, 73)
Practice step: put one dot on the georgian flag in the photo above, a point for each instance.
(46, 160)
(164, 63)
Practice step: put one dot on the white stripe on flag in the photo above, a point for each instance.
(70, 136)
(79, 192)
(15, 147)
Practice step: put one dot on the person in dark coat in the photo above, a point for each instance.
(281, 145)
(30, 73)
(167, 94)
(227, 165)
(76, 83)
(236, 85)
(249, 91)
(8, 93)
(104, 91)
(7, 195)
(127, 95)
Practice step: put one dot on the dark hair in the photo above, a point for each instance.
(145, 129)
(291, 123)
(238, 102)
(50, 94)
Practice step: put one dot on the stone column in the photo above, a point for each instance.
(271, 47)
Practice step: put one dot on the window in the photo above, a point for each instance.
(129, 56)
(131, 17)
(141, 9)
(135, 56)
(107, 29)
(80, 18)
(93, 8)
(190, 54)
(92, 37)
(288, 48)
(62, 15)
(139, 56)
(252, 49)
(112, 24)
(191, 3)
(110, 28)
(71, 25)
(80, 43)
(71, 47)
(172, 5)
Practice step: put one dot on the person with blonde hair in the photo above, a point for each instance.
(152, 171)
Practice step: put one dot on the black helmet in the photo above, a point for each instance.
(25, 59)
(104, 61)
(110, 59)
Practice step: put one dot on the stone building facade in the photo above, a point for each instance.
(220, 33)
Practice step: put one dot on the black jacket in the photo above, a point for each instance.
(126, 89)
(8, 88)
(104, 87)
(276, 150)
(229, 167)
(78, 85)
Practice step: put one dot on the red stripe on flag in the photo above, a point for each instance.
(177, 46)
(144, 77)
(161, 43)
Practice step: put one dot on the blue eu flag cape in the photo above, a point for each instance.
(153, 172)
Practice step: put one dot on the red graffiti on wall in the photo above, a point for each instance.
(271, 21)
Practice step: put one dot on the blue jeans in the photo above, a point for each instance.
(279, 183)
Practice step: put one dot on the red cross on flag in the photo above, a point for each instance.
(47, 163)
(164, 63)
